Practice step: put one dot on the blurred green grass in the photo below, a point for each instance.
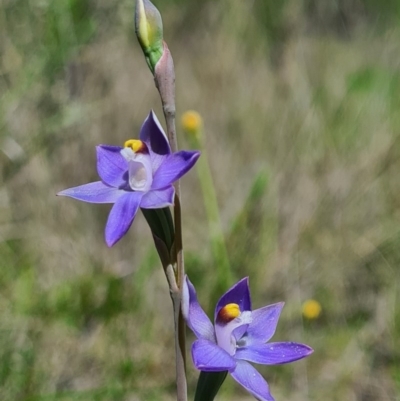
(300, 102)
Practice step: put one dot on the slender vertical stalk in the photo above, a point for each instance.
(164, 76)
(179, 326)
(149, 31)
(193, 127)
(214, 222)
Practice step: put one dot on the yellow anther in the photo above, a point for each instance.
(311, 309)
(228, 313)
(192, 123)
(135, 144)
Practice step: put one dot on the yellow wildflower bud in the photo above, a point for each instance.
(192, 123)
(311, 309)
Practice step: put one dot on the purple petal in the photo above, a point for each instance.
(121, 216)
(209, 357)
(94, 192)
(240, 331)
(238, 294)
(156, 160)
(158, 198)
(264, 323)
(174, 167)
(153, 135)
(195, 317)
(111, 165)
(252, 381)
(273, 353)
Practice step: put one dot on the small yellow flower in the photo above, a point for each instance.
(192, 123)
(311, 309)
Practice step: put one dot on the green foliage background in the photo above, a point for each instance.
(300, 101)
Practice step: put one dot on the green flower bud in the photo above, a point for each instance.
(149, 31)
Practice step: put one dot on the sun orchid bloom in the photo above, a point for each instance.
(138, 175)
(237, 336)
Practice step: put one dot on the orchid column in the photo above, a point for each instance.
(149, 31)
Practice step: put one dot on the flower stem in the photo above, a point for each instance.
(180, 328)
(181, 385)
(208, 385)
(164, 76)
(224, 274)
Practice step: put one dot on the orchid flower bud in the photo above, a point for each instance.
(149, 31)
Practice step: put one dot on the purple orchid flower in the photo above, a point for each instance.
(140, 174)
(238, 335)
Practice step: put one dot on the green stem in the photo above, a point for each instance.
(208, 385)
(220, 254)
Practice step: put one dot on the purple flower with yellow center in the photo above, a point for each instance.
(238, 336)
(138, 175)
